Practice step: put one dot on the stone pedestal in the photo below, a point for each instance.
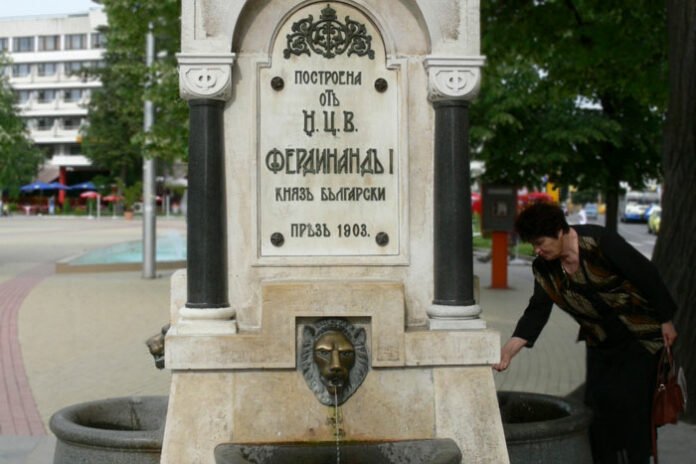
(335, 126)
(247, 387)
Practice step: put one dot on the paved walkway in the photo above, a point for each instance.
(70, 338)
(18, 412)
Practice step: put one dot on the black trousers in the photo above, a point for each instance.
(620, 384)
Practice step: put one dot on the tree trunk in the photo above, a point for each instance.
(611, 215)
(675, 253)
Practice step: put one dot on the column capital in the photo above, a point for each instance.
(205, 75)
(453, 78)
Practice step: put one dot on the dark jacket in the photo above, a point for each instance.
(616, 293)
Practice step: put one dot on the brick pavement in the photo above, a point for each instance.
(18, 412)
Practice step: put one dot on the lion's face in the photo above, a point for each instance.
(334, 356)
(334, 359)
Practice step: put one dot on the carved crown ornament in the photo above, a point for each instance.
(453, 78)
(205, 76)
(328, 37)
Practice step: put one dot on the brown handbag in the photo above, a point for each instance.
(669, 399)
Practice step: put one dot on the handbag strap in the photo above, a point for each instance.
(665, 367)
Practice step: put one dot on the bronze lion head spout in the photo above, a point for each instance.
(333, 359)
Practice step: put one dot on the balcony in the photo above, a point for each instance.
(70, 160)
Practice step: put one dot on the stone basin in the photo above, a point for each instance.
(543, 428)
(433, 451)
(125, 430)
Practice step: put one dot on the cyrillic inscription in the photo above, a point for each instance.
(328, 152)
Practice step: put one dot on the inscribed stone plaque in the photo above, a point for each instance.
(328, 160)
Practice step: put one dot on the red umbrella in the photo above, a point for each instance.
(113, 198)
(89, 194)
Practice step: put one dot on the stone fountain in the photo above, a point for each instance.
(329, 299)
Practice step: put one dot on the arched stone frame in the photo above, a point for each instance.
(453, 64)
(444, 31)
(282, 16)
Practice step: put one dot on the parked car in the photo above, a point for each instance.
(591, 211)
(637, 205)
(654, 220)
(634, 212)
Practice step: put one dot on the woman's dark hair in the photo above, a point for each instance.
(540, 220)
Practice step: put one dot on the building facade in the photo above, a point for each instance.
(48, 57)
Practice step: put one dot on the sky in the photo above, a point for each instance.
(41, 7)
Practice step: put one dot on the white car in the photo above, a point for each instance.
(634, 212)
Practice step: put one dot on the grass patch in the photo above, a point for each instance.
(481, 242)
(525, 249)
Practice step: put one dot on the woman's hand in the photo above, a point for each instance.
(669, 333)
(511, 348)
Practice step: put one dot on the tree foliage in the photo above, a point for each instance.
(115, 138)
(573, 90)
(19, 158)
(675, 252)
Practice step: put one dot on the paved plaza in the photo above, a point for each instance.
(70, 338)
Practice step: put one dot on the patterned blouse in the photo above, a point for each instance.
(616, 293)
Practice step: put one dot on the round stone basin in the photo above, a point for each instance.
(125, 430)
(545, 428)
(434, 451)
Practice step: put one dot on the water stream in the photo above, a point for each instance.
(337, 428)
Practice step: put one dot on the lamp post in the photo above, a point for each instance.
(149, 213)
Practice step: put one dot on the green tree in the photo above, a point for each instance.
(19, 158)
(573, 90)
(675, 253)
(114, 138)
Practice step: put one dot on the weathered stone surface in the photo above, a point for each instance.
(112, 431)
(544, 428)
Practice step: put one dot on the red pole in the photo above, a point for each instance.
(62, 178)
(499, 260)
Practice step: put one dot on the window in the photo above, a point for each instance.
(46, 69)
(23, 44)
(72, 95)
(21, 70)
(73, 68)
(44, 124)
(98, 40)
(22, 96)
(4, 44)
(74, 149)
(71, 123)
(47, 96)
(49, 43)
(76, 41)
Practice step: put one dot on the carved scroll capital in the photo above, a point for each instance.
(205, 75)
(451, 78)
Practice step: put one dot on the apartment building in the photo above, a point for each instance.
(48, 55)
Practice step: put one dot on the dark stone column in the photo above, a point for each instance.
(453, 242)
(206, 226)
